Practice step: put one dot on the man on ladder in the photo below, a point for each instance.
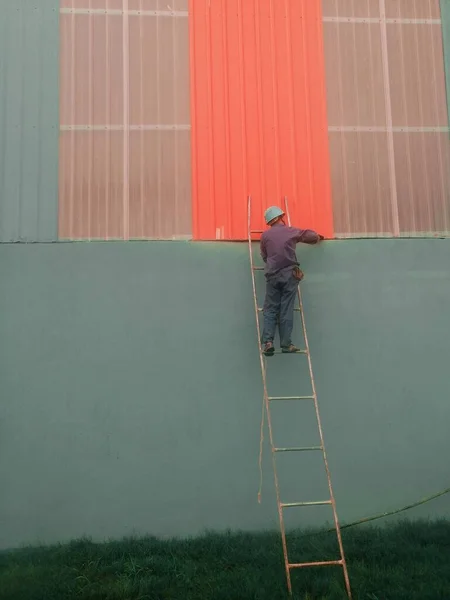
(283, 275)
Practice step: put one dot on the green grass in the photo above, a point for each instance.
(408, 561)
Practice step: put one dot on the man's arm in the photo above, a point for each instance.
(307, 236)
(263, 250)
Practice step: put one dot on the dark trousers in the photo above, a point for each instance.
(281, 291)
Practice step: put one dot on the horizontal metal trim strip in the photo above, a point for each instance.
(114, 240)
(361, 129)
(379, 20)
(128, 127)
(185, 14)
(118, 13)
(384, 234)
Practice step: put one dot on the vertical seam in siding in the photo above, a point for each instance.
(20, 213)
(436, 106)
(444, 24)
(141, 132)
(72, 133)
(158, 118)
(90, 137)
(108, 133)
(275, 98)
(323, 97)
(342, 136)
(174, 99)
(242, 94)
(209, 77)
(291, 92)
(379, 215)
(39, 170)
(307, 110)
(126, 120)
(261, 136)
(421, 112)
(3, 112)
(390, 135)
(193, 111)
(407, 142)
(445, 18)
(360, 168)
(227, 119)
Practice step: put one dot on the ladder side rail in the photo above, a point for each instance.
(266, 407)
(319, 424)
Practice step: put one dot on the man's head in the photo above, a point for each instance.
(274, 215)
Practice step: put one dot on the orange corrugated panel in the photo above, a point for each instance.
(258, 113)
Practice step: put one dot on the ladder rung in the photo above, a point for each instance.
(271, 398)
(325, 563)
(299, 352)
(257, 231)
(300, 449)
(258, 268)
(262, 310)
(294, 504)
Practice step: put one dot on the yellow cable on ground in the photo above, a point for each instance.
(392, 512)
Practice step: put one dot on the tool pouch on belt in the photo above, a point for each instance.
(298, 273)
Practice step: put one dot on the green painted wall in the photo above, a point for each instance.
(130, 386)
(445, 16)
(29, 120)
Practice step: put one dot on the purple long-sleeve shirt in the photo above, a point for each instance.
(278, 246)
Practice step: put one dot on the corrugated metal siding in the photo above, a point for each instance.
(445, 15)
(258, 114)
(125, 120)
(388, 124)
(29, 120)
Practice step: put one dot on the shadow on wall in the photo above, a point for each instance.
(131, 390)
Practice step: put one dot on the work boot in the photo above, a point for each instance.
(269, 349)
(291, 349)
